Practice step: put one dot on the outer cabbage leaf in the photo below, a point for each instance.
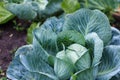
(115, 32)
(53, 24)
(86, 21)
(5, 15)
(102, 4)
(17, 71)
(34, 63)
(26, 9)
(66, 5)
(41, 3)
(106, 6)
(30, 30)
(95, 44)
(115, 37)
(34, 9)
(29, 65)
(13, 1)
(109, 65)
(116, 77)
(23, 11)
(52, 8)
(115, 41)
(42, 41)
(46, 35)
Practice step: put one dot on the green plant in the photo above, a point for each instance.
(29, 32)
(33, 9)
(5, 15)
(18, 26)
(13, 50)
(2, 74)
(3, 78)
(70, 6)
(106, 6)
(81, 47)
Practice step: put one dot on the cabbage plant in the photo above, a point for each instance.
(107, 6)
(81, 46)
(5, 15)
(66, 6)
(33, 9)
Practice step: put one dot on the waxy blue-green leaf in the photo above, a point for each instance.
(115, 31)
(110, 63)
(115, 41)
(86, 21)
(116, 77)
(54, 24)
(34, 63)
(95, 44)
(29, 65)
(26, 9)
(40, 3)
(115, 37)
(47, 39)
(14, 1)
(22, 11)
(52, 8)
(34, 9)
(46, 35)
(17, 71)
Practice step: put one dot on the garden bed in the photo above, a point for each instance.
(58, 39)
(10, 40)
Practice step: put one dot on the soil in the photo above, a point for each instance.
(10, 40)
(117, 20)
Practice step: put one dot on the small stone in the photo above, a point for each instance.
(11, 35)
(2, 74)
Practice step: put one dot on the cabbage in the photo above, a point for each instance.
(33, 9)
(80, 47)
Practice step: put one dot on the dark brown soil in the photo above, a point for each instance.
(117, 20)
(10, 40)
